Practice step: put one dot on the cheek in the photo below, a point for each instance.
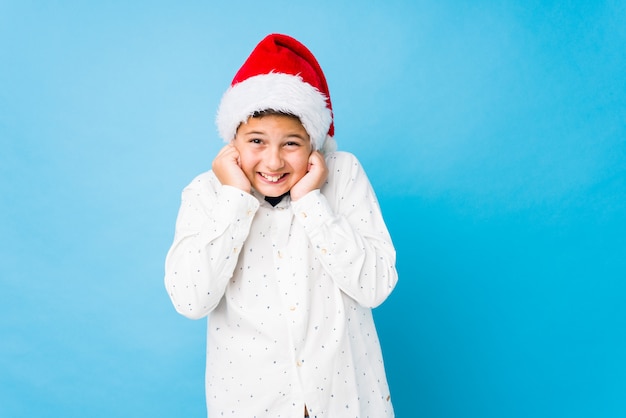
(247, 166)
(301, 166)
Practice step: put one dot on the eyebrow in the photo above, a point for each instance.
(294, 135)
(290, 135)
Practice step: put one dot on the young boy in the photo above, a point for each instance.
(283, 246)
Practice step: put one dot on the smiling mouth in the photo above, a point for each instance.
(273, 179)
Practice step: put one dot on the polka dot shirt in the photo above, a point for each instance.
(288, 291)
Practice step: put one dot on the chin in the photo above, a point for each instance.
(272, 191)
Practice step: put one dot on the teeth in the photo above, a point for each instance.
(273, 179)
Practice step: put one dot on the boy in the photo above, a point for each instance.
(283, 246)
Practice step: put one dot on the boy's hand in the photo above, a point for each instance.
(313, 179)
(227, 168)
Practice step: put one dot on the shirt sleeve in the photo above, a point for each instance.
(345, 226)
(213, 223)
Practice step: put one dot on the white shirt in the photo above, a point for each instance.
(288, 291)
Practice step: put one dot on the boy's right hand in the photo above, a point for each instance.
(227, 168)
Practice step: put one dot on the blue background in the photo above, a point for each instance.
(493, 131)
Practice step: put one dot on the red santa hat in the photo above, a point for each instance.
(280, 74)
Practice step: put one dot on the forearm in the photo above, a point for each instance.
(357, 250)
(206, 247)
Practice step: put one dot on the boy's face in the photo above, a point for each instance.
(274, 152)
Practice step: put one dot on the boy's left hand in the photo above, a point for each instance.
(313, 179)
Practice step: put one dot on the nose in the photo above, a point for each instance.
(274, 159)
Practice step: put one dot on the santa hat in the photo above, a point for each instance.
(282, 75)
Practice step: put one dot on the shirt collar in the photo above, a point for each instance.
(275, 200)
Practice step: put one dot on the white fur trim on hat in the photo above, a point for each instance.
(280, 92)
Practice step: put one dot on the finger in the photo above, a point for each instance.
(317, 156)
(312, 160)
(229, 152)
(225, 149)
